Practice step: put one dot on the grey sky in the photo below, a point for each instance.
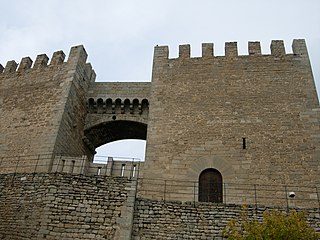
(119, 36)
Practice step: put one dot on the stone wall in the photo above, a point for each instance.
(122, 90)
(188, 220)
(65, 206)
(78, 78)
(254, 118)
(42, 105)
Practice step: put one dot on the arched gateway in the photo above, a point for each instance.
(110, 131)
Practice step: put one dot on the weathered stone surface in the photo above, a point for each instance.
(43, 108)
(177, 220)
(254, 118)
(55, 206)
(202, 108)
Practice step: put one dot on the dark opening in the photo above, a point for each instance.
(111, 131)
(210, 186)
(244, 143)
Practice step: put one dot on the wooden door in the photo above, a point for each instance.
(210, 186)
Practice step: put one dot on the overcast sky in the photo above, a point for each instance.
(119, 36)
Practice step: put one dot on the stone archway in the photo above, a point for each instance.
(110, 131)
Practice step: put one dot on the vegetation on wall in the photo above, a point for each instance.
(274, 226)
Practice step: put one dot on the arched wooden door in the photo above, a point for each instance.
(210, 186)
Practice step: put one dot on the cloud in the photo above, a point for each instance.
(119, 36)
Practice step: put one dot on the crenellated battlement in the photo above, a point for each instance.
(77, 55)
(277, 49)
(10, 67)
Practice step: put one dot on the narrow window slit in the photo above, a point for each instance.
(244, 146)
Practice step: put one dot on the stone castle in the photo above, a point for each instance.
(221, 131)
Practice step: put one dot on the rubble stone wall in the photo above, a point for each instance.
(188, 220)
(65, 206)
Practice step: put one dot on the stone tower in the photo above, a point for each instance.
(253, 118)
(43, 108)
